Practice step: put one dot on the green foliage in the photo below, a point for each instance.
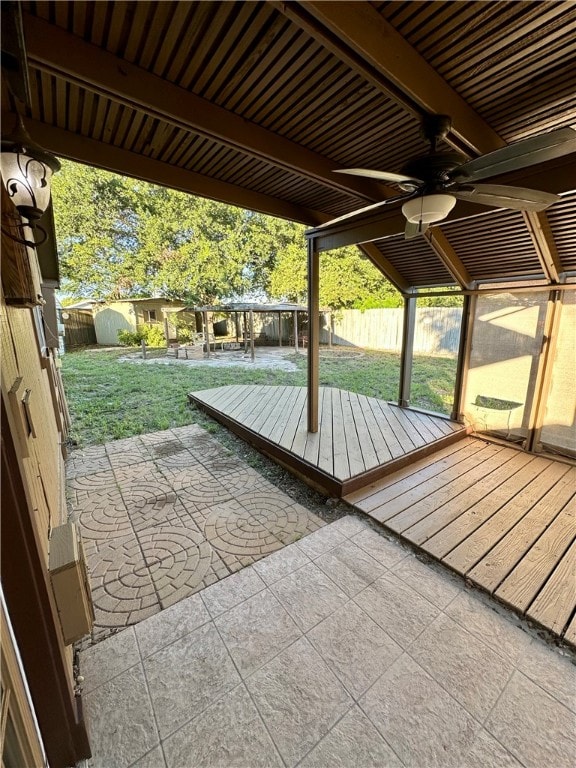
(130, 338)
(119, 238)
(153, 335)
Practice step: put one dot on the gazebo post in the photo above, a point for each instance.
(252, 335)
(206, 333)
(296, 330)
(407, 351)
(280, 329)
(313, 334)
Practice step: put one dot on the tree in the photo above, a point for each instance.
(119, 237)
(348, 280)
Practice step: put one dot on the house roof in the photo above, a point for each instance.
(258, 103)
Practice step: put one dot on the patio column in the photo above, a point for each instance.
(462, 364)
(407, 351)
(313, 334)
(280, 328)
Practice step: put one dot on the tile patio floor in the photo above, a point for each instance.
(341, 650)
(236, 630)
(168, 513)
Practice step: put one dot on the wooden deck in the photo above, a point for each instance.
(502, 518)
(360, 439)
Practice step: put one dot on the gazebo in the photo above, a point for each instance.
(242, 315)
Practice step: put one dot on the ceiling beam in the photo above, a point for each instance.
(554, 176)
(447, 255)
(73, 147)
(53, 50)
(543, 239)
(377, 258)
(360, 37)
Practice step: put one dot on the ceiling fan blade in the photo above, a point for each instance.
(531, 151)
(349, 217)
(392, 178)
(515, 198)
(414, 229)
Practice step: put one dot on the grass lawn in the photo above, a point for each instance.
(109, 399)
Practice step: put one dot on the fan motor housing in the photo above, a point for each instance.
(434, 167)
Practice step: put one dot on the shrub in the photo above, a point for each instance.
(153, 335)
(130, 338)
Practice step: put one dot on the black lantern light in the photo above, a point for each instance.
(26, 170)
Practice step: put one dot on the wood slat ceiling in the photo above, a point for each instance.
(257, 103)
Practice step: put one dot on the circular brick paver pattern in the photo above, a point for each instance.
(232, 530)
(179, 562)
(103, 516)
(285, 521)
(140, 493)
(122, 588)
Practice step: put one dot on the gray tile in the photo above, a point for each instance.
(397, 608)
(350, 567)
(107, 659)
(234, 589)
(122, 726)
(536, 728)
(354, 741)
(299, 699)
(153, 759)
(171, 624)
(488, 753)
(497, 631)
(229, 734)
(385, 551)
(256, 630)
(321, 541)
(355, 648)
(473, 673)
(308, 595)
(418, 719)
(551, 671)
(279, 564)
(187, 676)
(350, 525)
(437, 587)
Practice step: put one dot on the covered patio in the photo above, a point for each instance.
(260, 105)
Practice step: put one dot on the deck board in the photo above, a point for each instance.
(358, 439)
(503, 518)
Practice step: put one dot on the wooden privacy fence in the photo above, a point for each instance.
(78, 328)
(437, 329)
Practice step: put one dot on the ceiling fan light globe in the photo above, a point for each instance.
(428, 208)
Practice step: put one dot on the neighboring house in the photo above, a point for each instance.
(129, 315)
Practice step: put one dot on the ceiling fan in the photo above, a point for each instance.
(432, 183)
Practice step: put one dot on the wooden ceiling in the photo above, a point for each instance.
(258, 103)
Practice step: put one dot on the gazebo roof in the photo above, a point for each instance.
(251, 307)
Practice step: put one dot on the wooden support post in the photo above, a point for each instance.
(280, 329)
(143, 349)
(252, 335)
(167, 331)
(543, 378)
(407, 351)
(330, 321)
(466, 337)
(296, 331)
(468, 306)
(313, 335)
(206, 333)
